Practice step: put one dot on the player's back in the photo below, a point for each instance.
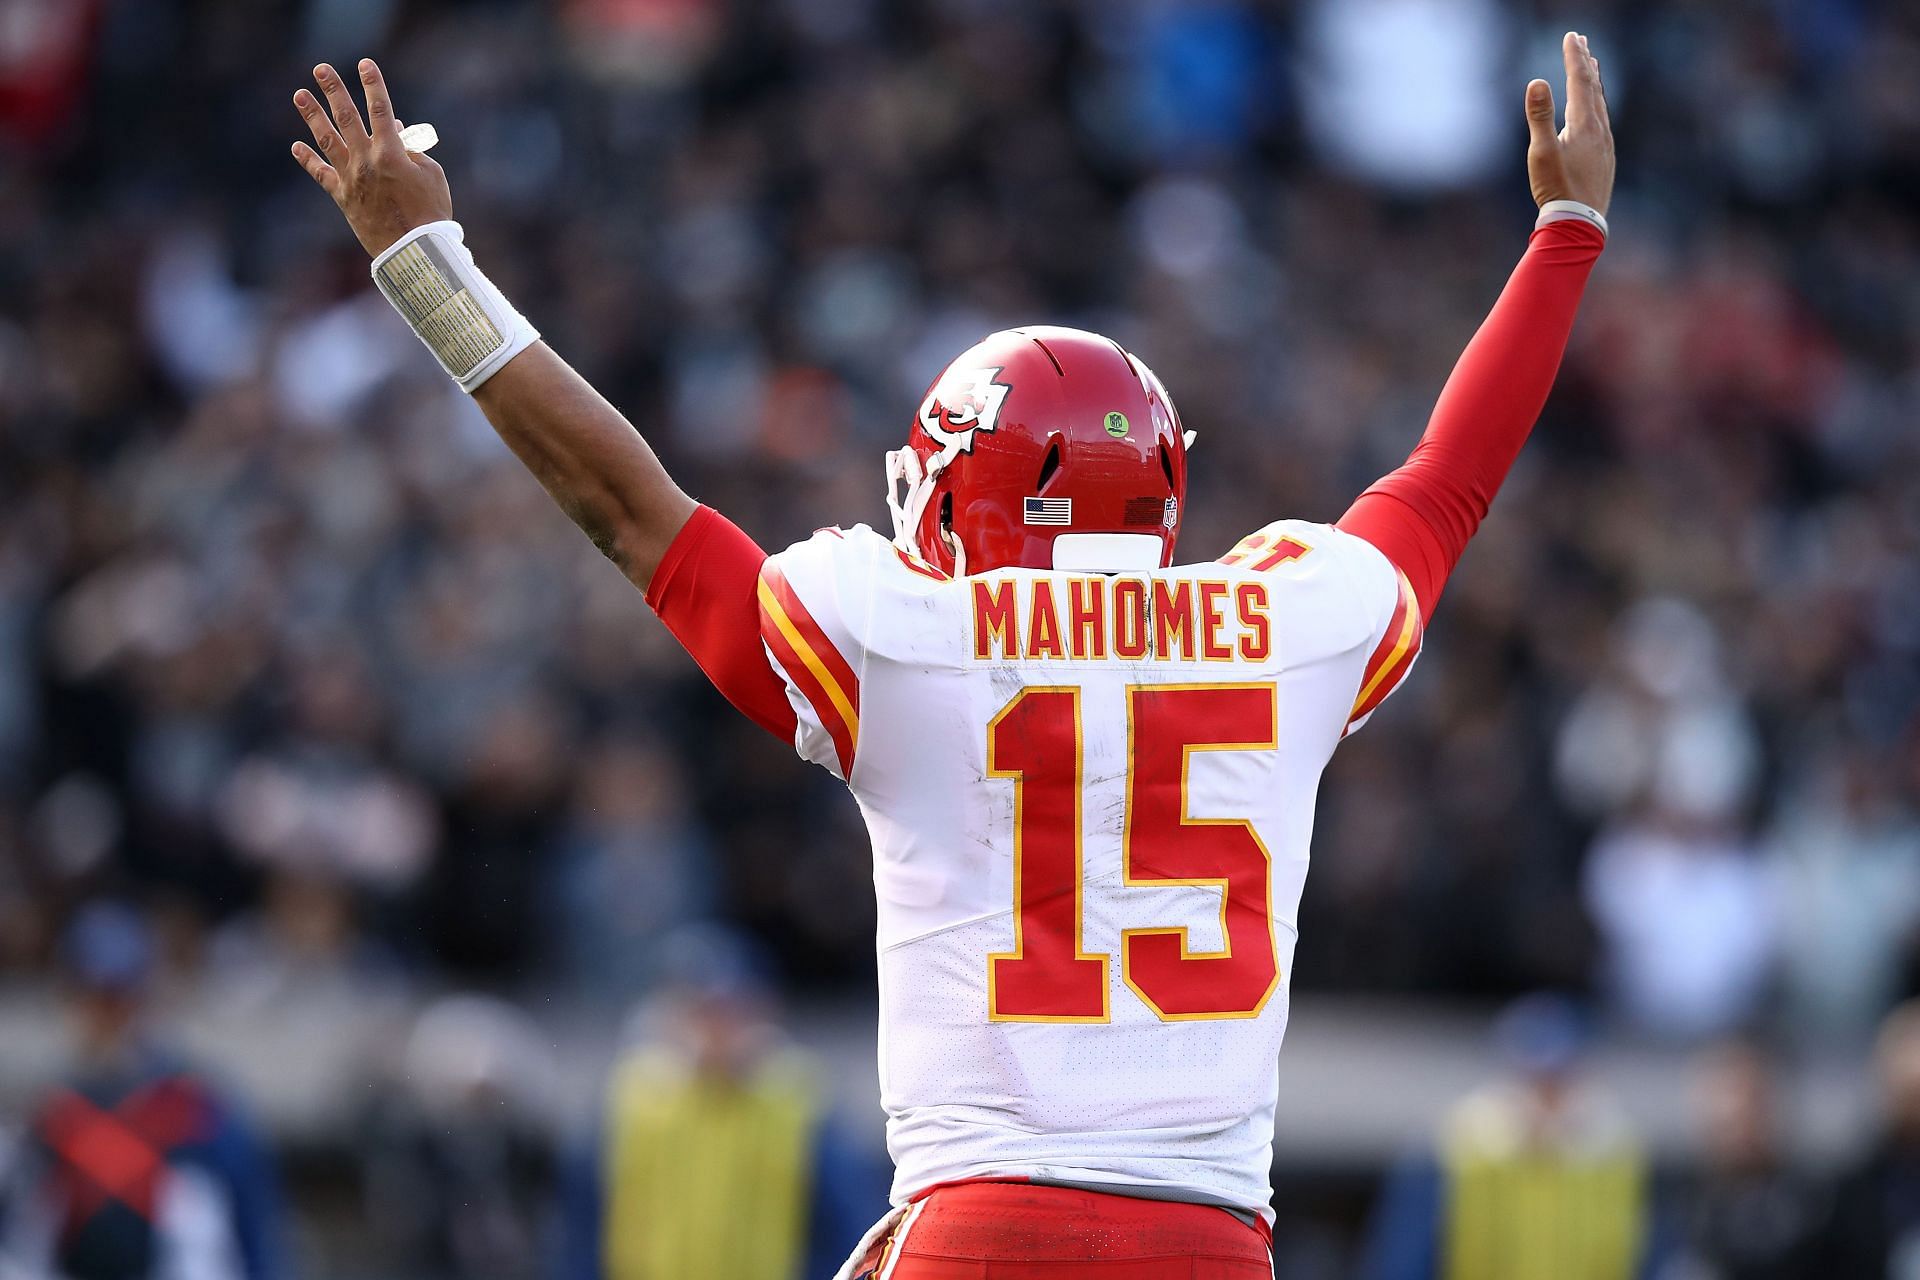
(1090, 798)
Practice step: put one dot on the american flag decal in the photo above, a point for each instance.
(1049, 511)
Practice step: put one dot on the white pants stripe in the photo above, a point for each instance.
(899, 1245)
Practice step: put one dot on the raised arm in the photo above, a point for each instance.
(581, 449)
(1423, 514)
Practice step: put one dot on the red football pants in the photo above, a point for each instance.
(1015, 1231)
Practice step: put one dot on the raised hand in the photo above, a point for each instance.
(1575, 163)
(384, 189)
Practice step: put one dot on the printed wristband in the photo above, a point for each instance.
(1562, 210)
(429, 277)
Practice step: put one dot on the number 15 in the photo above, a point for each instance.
(1035, 741)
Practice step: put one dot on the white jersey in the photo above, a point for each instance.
(1090, 798)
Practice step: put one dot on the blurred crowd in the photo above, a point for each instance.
(297, 655)
(296, 659)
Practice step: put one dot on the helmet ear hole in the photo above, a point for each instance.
(1048, 467)
(1166, 465)
(946, 510)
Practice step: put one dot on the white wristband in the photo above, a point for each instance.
(429, 277)
(1563, 210)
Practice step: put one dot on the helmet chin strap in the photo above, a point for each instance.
(958, 550)
(904, 469)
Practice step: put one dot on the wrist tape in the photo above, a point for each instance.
(429, 277)
(1562, 210)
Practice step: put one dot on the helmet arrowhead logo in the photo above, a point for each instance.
(963, 402)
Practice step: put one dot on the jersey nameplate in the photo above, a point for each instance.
(1128, 619)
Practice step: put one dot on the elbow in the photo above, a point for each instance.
(640, 534)
(609, 528)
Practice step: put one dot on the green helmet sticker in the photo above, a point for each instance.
(1116, 424)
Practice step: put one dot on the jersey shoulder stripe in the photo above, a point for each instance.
(811, 661)
(1393, 657)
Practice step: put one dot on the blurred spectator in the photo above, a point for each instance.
(1369, 58)
(1538, 1174)
(140, 1167)
(710, 1116)
(1876, 1223)
(43, 63)
(1846, 854)
(299, 950)
(1661, 746)
(634, 864)
(458, 1165)
(1686, 920)
(1661, 725)
(1748, 1214)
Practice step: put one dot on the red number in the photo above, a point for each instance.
(1163, 845)
(1049, 976)
(1267, 551)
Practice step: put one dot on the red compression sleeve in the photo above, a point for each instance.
(706, 591)
(1422, 514)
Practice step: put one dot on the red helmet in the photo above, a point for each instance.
(1044, 448)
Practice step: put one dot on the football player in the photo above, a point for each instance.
(1088, 769)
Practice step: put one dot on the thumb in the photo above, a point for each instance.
(1540, 130)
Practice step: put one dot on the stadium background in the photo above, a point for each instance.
(295, 660)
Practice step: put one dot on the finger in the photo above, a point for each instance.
(1600, 94)
(1540, 131)
(379, 105)
(346, 116)
(427, 162)
(1582, 79)
(317, 169)
(323, 135)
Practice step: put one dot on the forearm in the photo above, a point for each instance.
(589, 457)
(1423, 514)
(577, 445)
